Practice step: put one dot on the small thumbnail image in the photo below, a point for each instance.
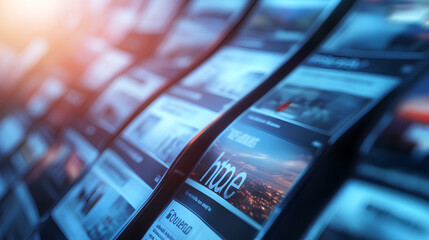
(88, 203)
(323, 109)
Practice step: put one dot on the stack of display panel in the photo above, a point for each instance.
(201, 119)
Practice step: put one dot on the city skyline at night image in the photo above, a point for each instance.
(259, 169)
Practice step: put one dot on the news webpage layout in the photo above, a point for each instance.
(358, 209)
(397, 43)
(102, 202)
(193, 33)
(122, 98)
(239, 182)
(54, 174)
(324, 96)
(150, 144)
(94, 79)
(33, 149)
(163, 129)
(249, 169)
(153, 140)
(271, 126)
(323, 100)
(336, 86)
(216, 81)
(126, 93)
(281, 25)
(392, 29)
(117, 103)
(40, 189)
(171, 121)
(381, 65)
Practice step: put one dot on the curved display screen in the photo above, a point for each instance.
(402, 143)
(140, 156)
(49, 177)
(202, 119)
(249, 170)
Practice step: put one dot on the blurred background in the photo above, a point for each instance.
(201, 119)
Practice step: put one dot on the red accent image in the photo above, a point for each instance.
(283, 107)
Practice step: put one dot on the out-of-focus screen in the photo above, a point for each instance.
(364, 211)
(394, 154)
(137, 160)
(386, 197)
(402, 143)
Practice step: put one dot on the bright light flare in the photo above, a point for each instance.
(21, 20)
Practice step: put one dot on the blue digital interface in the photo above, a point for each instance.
(403, 135)
(147, 147)
(49, 176)
(247, 173)
(101, 99)
(394, 154)
(359, 207)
